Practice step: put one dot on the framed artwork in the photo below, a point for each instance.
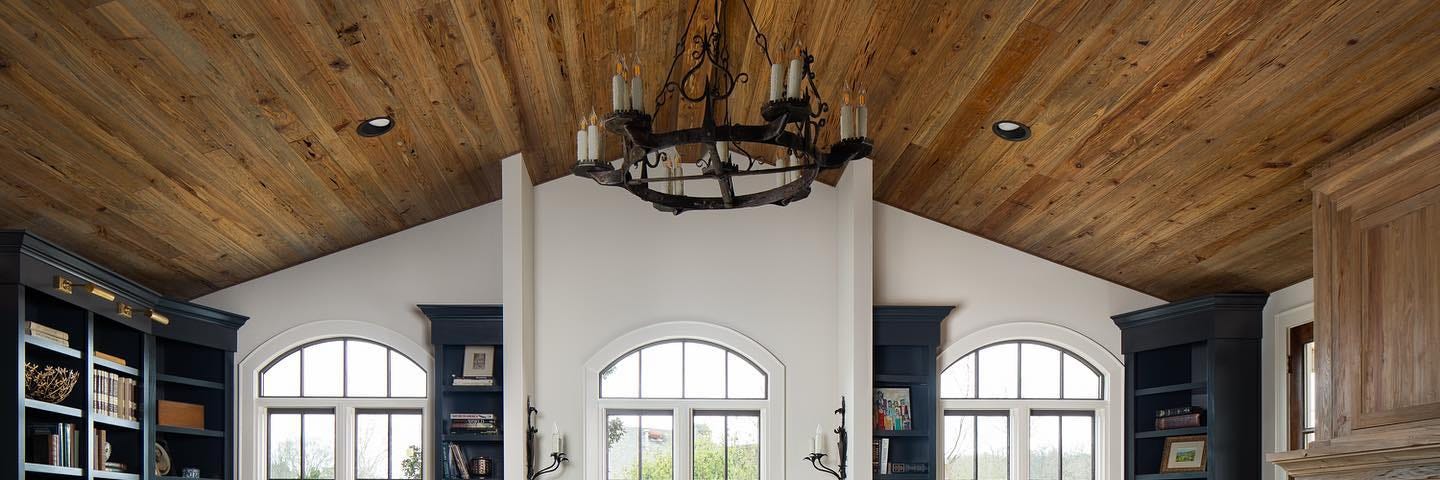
(892, 409)
(1184, 454)
(479, 361)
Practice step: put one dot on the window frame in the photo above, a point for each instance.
(1300, 335)
(253, 410)
(770, 409)
(1020, 372)
(1108, 409)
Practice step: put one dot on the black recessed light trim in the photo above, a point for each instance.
(1011, 130)
(374, 127)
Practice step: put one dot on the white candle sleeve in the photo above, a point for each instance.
(637, 94)
(792, 83)
(592, 134)
(617, 93)
(777, 74)
(847, 122)
(794, 174)
(862, 121)
(724, 150)
(581, 146)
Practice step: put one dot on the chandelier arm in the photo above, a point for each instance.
(679, 50)
(760, 39)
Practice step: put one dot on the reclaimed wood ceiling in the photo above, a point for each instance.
(195, 144)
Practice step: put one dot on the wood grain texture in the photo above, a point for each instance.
(194, 144)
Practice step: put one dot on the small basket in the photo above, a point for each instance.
(49, 383)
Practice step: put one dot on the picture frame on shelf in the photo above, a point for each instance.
(893, 409)
(479, 361)
(1185, 454)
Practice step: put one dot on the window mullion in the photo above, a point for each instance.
(683, 445)
(1020, 442)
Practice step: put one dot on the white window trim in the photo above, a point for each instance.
(772, 408)
(1280, 375)
(1109, 412)
(251, 412)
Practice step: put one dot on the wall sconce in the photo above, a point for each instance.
(558, 457)
(817, 458)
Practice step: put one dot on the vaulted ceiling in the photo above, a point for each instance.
(195, 144)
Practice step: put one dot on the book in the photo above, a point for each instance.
(473, 416)
(884, 456)
(909, 468)
(1170, 412)
(39, 330)
(108, 357)
(463, 381)
(115, 467)
(875, 456)
(1178, 421)
(892, 409)
(458, 458)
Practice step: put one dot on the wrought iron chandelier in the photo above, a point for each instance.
(651, 166)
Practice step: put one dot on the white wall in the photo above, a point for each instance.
(455, 259)
(1273, 393)
(606, 264)
(922, 262)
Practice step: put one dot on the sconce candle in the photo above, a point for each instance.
(637, 91)
(818, 445)
(792, 82)
(592, 136)
(617, 88)
(777, 74)
(559, 439)
(582, 144)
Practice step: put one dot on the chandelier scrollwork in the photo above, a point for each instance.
(794, 116)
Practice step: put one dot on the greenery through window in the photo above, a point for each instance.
(387, 445)
(1021, 409)
(302, 444)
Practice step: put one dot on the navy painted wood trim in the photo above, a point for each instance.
(462, 312)
(1207, 303)
(896, 313)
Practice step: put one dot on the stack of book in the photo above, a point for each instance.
(55, 444)
(54, 335)
(455, 468)
(101, 438)
(1179, 417)
(472, 381)
(482, 423)
(114, 395)
(880, 461)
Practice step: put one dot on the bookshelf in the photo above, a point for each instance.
(115, 342)
(906, 340)
(1202, 352)
(452, 328)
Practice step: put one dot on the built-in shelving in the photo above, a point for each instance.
(189, 358)
(1179, 387)
(452, 329)
(1174, 432)
(906, 340)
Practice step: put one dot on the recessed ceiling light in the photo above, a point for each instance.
(375, 127)
(1011, 130)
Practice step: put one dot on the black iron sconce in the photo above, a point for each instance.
(817, 458)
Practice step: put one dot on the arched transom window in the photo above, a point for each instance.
(342, 408)
(687, 369)
(685, 409)
(1021, 409)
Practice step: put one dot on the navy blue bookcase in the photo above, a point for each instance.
(906, 342)
(452, 328)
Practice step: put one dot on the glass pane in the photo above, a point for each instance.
(992, 442)
(282, 379)
(958, 380)
(622, 380)
(959, 447)
(704, 371)
(998, 371)
(1078, 445)
(1039, 371)
(1308, 437)
(319, 461)
(406, 378)
(660, 370)
(746, 381)
(1309, 385)
(405, 442)
(366, 373)
(622, 449)
(1044, 448)
(323, 369)
(656, 454)
(371, 453)
(284, 446)
(744, 452)
(1080, 381)
(709, 461)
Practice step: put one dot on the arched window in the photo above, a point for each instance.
(697, 401)
(1027, 408)
(341, 408)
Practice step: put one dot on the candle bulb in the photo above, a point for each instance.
(782, 162)
(592, 136)
(795, 174)
(792, 83)
(724, 150)
(847, 118)
(582, 144)
(617, 88)
(818, 445)
(862, 118)
(637, 91)
(777, 77)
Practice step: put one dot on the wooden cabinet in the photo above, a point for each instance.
(1377, 322)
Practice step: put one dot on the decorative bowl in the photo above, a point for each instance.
(49, 383)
